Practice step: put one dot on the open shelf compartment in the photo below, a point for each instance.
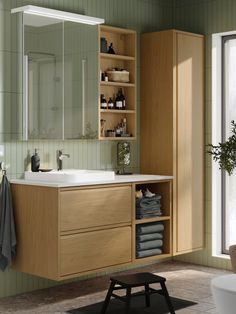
(163, 188)
(166, 248)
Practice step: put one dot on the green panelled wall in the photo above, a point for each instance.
(141, 15)
(200, 16)
(206, 17)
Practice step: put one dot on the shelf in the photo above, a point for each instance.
(131, 138)
(116, 57)
(151, 258)
(116, 111)
(124, 43)
(153, 219)
(117, 30)
(103, 83)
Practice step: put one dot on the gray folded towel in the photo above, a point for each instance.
(149, 245)
(148, 201)
(148, 209)
(155, 214)
(146, 253)
(149, 228)
(149, 236)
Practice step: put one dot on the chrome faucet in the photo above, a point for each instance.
(60, 157)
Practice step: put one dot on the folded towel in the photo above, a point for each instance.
(149, 228)
(148, 209)
(146, 253)
(148, 201)
(149, 245)
(149, 236)
(141, 216)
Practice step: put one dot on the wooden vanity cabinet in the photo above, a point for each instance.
(65, 232)
(172, 126)
(68, 232)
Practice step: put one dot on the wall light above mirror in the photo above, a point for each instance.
(60, 15)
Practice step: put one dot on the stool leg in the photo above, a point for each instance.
(128, 299)
(167, 297)
(147, 295)
(107, 299)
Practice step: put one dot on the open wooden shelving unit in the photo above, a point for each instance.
(124, 43)
(163, 188)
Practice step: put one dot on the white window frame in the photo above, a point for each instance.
(216, 138)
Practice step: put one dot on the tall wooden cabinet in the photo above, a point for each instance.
(172, 126)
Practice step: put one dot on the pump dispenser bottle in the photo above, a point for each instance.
(35, 161)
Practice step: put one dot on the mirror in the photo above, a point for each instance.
(60, 79)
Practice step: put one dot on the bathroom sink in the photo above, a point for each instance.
(70, 176)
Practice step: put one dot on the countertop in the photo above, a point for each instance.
(119, 179)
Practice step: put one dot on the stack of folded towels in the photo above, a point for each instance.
(149, 239)
(148, 205)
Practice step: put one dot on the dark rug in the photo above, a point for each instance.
(158, 306)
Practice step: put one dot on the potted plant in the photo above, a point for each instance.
(225, 155)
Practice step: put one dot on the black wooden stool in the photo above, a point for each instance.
(136, 280)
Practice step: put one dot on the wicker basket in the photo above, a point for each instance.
(118, 76)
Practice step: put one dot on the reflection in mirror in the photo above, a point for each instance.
(81, 85)
(61, 79)
(43, 69)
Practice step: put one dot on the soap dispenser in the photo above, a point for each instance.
(35, 161)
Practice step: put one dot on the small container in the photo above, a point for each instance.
(110, 104)
(118, 76)
(111, 49)
(106, 77)
(111, 133)
(103, 44)
(103, 127)
(103, 102)
(35, 161)
(102, 76)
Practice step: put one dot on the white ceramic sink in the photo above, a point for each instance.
(70, 176)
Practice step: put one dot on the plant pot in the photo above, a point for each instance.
(232, 253)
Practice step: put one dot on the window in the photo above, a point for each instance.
(223, 197)
(228, 114)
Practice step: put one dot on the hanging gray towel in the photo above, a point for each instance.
(7, 226)
(149, 245)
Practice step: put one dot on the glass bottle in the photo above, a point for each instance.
(119, 99)
(123, 100)
(110, 104)
(103, 102)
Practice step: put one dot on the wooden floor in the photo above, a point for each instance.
(187, 281)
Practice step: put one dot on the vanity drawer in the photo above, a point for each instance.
(95, 249)
(95, 207)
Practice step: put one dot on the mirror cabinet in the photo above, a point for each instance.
(60, 79)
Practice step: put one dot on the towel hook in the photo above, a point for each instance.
(3, 168)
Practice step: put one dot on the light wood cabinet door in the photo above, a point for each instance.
(172, 126)
(81, 209)
(93, 250)
(189, 165)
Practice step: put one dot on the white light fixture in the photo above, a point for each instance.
(59, 15)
